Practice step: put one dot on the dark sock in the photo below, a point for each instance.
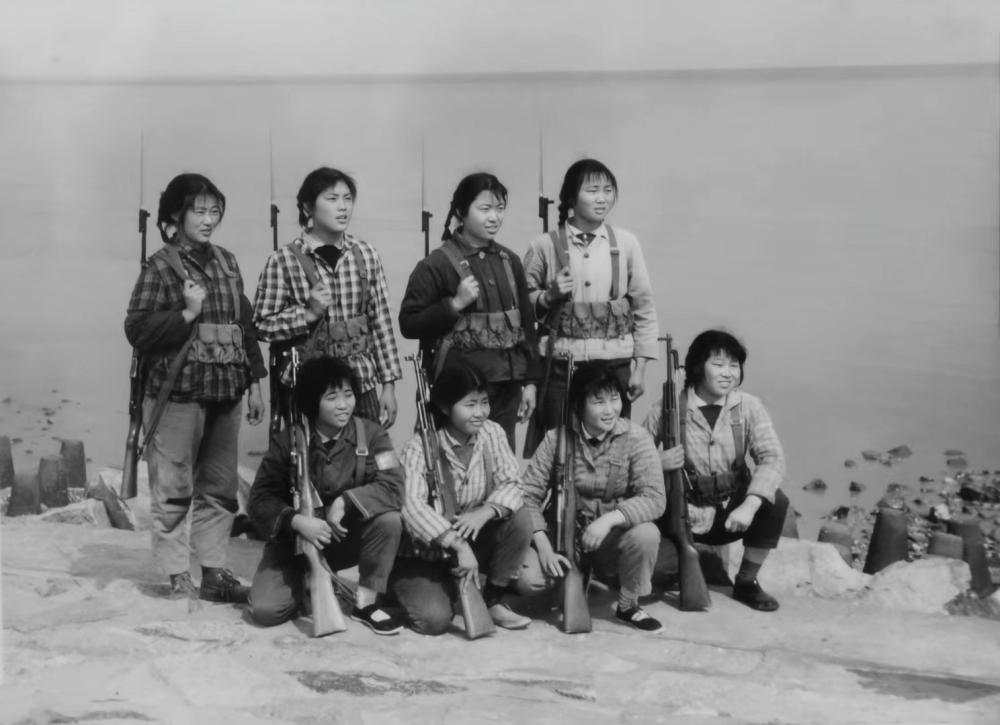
(492, 593)
(748, 572)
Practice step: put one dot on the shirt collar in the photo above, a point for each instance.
(469, 250)
(311, 243)
(694, 401)
(571, 231)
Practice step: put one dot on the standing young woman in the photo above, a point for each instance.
(326, 293)
(720, 425)
(591, 291)
(492, 530)
(620, 493)
(468, 303)
(189, 318)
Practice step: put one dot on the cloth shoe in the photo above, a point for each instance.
(181, 586)
(219, 585)
(377, 619)
(638, 618)
(753, 596)
(504, 616)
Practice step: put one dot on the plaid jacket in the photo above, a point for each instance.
(636, 489)
(712, 450)
(426, 523)
(283, 296)
(154, 325)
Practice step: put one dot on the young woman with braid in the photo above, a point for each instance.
(468, 303)
(591, 293)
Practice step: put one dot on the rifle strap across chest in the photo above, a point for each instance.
(460, 263)
(232, 278)
(560, 243)
(312, 275)
(360, 452)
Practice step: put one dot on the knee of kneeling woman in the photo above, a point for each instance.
(432, 624)
(390, 521)
(645, 536)
(271, 614)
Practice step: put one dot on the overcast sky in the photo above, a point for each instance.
(148, 39)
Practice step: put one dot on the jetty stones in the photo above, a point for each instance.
(817, 485)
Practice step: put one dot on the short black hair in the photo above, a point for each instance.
(318, 375)
(452, 384)
(590, 378)
(315, 183)
(179, 196)
(576, 175)
(703, 347)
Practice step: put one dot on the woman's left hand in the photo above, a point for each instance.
(335, 517)
(742, 516)
(528, 400)
(387, 406)
(469, 524)
(255, 405)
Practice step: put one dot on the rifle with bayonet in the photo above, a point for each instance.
(425, 216)
(576, 613)
(275, 352)
(543, 201)
(694, 594)
(440, 485)
(327, 616)
(136, 374)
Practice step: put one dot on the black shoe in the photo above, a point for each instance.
(753, 596)
(378, 620)
(242, 525)
(182, 586)
(219, 585)
(638, 618)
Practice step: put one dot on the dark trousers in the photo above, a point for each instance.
(763, 532)
(277, 591)
(552, 398)
(505, 399)
(427, 590)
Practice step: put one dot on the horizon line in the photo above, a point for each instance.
(899, 70)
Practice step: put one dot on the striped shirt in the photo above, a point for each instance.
(711, 449)
(425, 522)
(155, 326)
(635, 487)
(283, 297)
(590, 264)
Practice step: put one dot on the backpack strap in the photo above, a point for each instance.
(511, 282)
(175, 262)
(308, 266)
(458, 261)
(615, 263)
(360, 452)
(615, 468)
(560, 245)
(488, 469)
(359, 262)
(736, 422)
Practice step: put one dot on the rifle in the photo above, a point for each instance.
(425, 216)
(137, 372)
(543, 201)
(478, 621)
(576, 613)
(694, 594)
(327, 616)
(275, 356)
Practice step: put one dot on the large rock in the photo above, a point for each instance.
(89, 512)
(803, 567)
(925, 585)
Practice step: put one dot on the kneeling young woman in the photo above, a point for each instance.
(720, 425)
(620, 493)
(491, 531)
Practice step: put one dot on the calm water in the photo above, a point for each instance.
(844, 225)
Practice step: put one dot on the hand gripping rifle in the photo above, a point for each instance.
(440, 485)
(327, 617)
(137, 373)
(693, 590)
(576, 613)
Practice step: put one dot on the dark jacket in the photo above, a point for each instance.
(333, 474)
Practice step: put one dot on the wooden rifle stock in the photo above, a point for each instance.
(327, 616)
(576, 612)
(694, 594)
(475, 615)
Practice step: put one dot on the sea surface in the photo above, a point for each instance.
(843, 223)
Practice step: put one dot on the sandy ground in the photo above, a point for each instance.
(89, 637)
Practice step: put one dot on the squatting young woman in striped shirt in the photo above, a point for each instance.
(491, 531)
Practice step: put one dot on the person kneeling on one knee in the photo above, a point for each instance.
(490, 532)
(720, 425)
(620, 493)
(355, 470)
